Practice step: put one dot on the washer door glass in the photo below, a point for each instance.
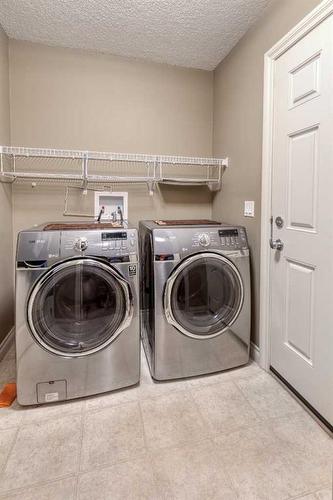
(204, 295)
(79, 307)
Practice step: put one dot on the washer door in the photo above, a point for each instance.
(79, 307)
(203, 296)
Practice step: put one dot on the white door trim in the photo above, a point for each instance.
(313, 19)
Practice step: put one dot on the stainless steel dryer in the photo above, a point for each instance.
(77, 314)
(195, 297)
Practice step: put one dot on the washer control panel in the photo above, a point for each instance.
(109, 243)
(81, 244)
(114, 240)
(204, 239)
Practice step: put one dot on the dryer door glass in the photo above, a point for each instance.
(205, 295)
(79, 307)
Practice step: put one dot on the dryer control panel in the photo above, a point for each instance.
(171, 243)
(233, 237)
(205, 239)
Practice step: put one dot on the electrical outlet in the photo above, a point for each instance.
(248, 208)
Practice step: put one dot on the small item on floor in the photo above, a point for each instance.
(7, 395)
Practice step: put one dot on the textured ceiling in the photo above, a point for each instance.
(190, 33)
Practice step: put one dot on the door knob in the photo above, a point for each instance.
(276, 244)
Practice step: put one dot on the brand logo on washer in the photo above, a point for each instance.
(38, 242)
(132, 270)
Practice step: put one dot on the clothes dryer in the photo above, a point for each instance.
(195, 297)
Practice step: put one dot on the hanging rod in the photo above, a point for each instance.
(21, 163)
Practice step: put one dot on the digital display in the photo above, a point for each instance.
(119, 235)
(228, 232)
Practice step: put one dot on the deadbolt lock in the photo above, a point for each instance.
(279, 222)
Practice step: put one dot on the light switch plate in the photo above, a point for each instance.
(249, 208)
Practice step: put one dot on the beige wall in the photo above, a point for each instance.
(62, 98)
(66, 98)
(238, 97)
(6, 251)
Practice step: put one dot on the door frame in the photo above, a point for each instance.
(313, 19)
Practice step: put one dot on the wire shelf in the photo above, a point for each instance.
(68, 167)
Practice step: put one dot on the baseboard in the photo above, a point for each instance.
(255, 352)
(7, 343)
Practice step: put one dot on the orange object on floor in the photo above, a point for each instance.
(7, 395)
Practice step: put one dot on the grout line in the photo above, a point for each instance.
(23, 489)
(106, 465)
(76, 486)
(93, 411)
(195, 387)
(10, 450)
(251, 425)
(38, 483)
(108, 405)
(155, 475)
(223, 377)
(145, 440)
(138, 453)
(259, 416)
(296, 411)
(311, 492)
(205, 421)
(183, 443)
(48, 419)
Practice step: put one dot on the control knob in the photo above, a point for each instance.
(81, 244)
(204, 239)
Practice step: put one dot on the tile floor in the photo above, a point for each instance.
(236, 435)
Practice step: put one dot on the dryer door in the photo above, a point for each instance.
(78, 307)
(204, 295)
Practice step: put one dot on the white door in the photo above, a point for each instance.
(301, 318)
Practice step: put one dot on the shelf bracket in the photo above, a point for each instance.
(5, 179)
(225, 162)
(151, 187)
(85, 173)
(216, 186)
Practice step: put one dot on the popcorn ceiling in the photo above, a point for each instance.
(190, 33)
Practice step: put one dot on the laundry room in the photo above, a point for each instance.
(164, 302)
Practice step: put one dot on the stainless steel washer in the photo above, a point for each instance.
(77, 314)
(195, 297)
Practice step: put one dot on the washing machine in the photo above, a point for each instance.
(77, 311)
(195, 297)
